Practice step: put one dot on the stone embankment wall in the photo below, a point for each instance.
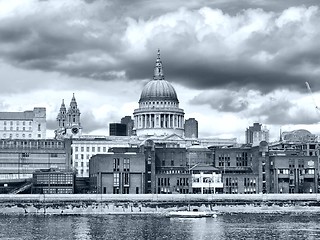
(154, 203)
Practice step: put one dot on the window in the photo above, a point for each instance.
(88, 149)
(23, 123)
(116, 179)
(39, 127)
(39, 135)
(98, 149)
(116, 163)
(81, 164)
(25, 155)
(76, 156)
(76, 149)
(104, 149)
(82, 149)
(126, 164)
(93, 149)
(126, 179)
(82, 156)
(17, 128)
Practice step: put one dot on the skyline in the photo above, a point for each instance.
(231, 64)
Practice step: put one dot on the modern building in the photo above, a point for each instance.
(23, 125)
(206, 179)
(240, 169)
(117, 129)
(121, 171)
(69, 125)
(158, 113)
(191, 128)
(172, 170)
(128, 121)
(20, 158)
(53, 181)
(256, 133)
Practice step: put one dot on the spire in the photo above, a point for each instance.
(158, 71)
(62, 104)
(63, 108)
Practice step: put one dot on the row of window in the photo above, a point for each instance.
(249, 182)
(17, 123)
(17, 129)
(10, 135)
(301, 171)
(93, 149)
(173, 172)
(206, 180)
(126, 164)
(81, 164)
(26, 155)
(116, 179)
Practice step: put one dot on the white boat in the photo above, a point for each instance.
(190, 214)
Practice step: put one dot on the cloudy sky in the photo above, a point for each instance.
(231, 62)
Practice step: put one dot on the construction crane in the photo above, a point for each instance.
(314, 101)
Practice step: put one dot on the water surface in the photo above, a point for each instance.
(228, 226)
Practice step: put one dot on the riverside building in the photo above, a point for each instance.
(23, 125)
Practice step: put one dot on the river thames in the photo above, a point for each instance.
(302, 225)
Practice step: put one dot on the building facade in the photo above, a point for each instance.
(128, 121)
(117, 129)
(20, 158)
(206, 180)
(53, 181)
(255, 134)
(191, 128)
(158, 113)
(119, 172)
(23, 125)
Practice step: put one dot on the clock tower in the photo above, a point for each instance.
(69, 121)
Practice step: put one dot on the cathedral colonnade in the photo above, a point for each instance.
(159, 120)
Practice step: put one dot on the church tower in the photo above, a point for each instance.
(62, 116)
(68, 121)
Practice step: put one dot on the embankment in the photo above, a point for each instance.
(155, 203)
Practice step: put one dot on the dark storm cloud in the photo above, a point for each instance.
(222, 101)
(202, 48)
(283, 112)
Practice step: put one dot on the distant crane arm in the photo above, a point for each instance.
(310, 91)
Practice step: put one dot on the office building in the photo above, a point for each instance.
(191, 128)
(117, 129)
(23, 125)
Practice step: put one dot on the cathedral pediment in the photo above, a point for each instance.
(174, 137)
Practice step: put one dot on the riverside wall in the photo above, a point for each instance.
(154, 203)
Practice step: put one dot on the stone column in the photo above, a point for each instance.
(150, 121)
(164, 121)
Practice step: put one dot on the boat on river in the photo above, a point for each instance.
(191, 214)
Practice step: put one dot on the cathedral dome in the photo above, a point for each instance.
(158, 90)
